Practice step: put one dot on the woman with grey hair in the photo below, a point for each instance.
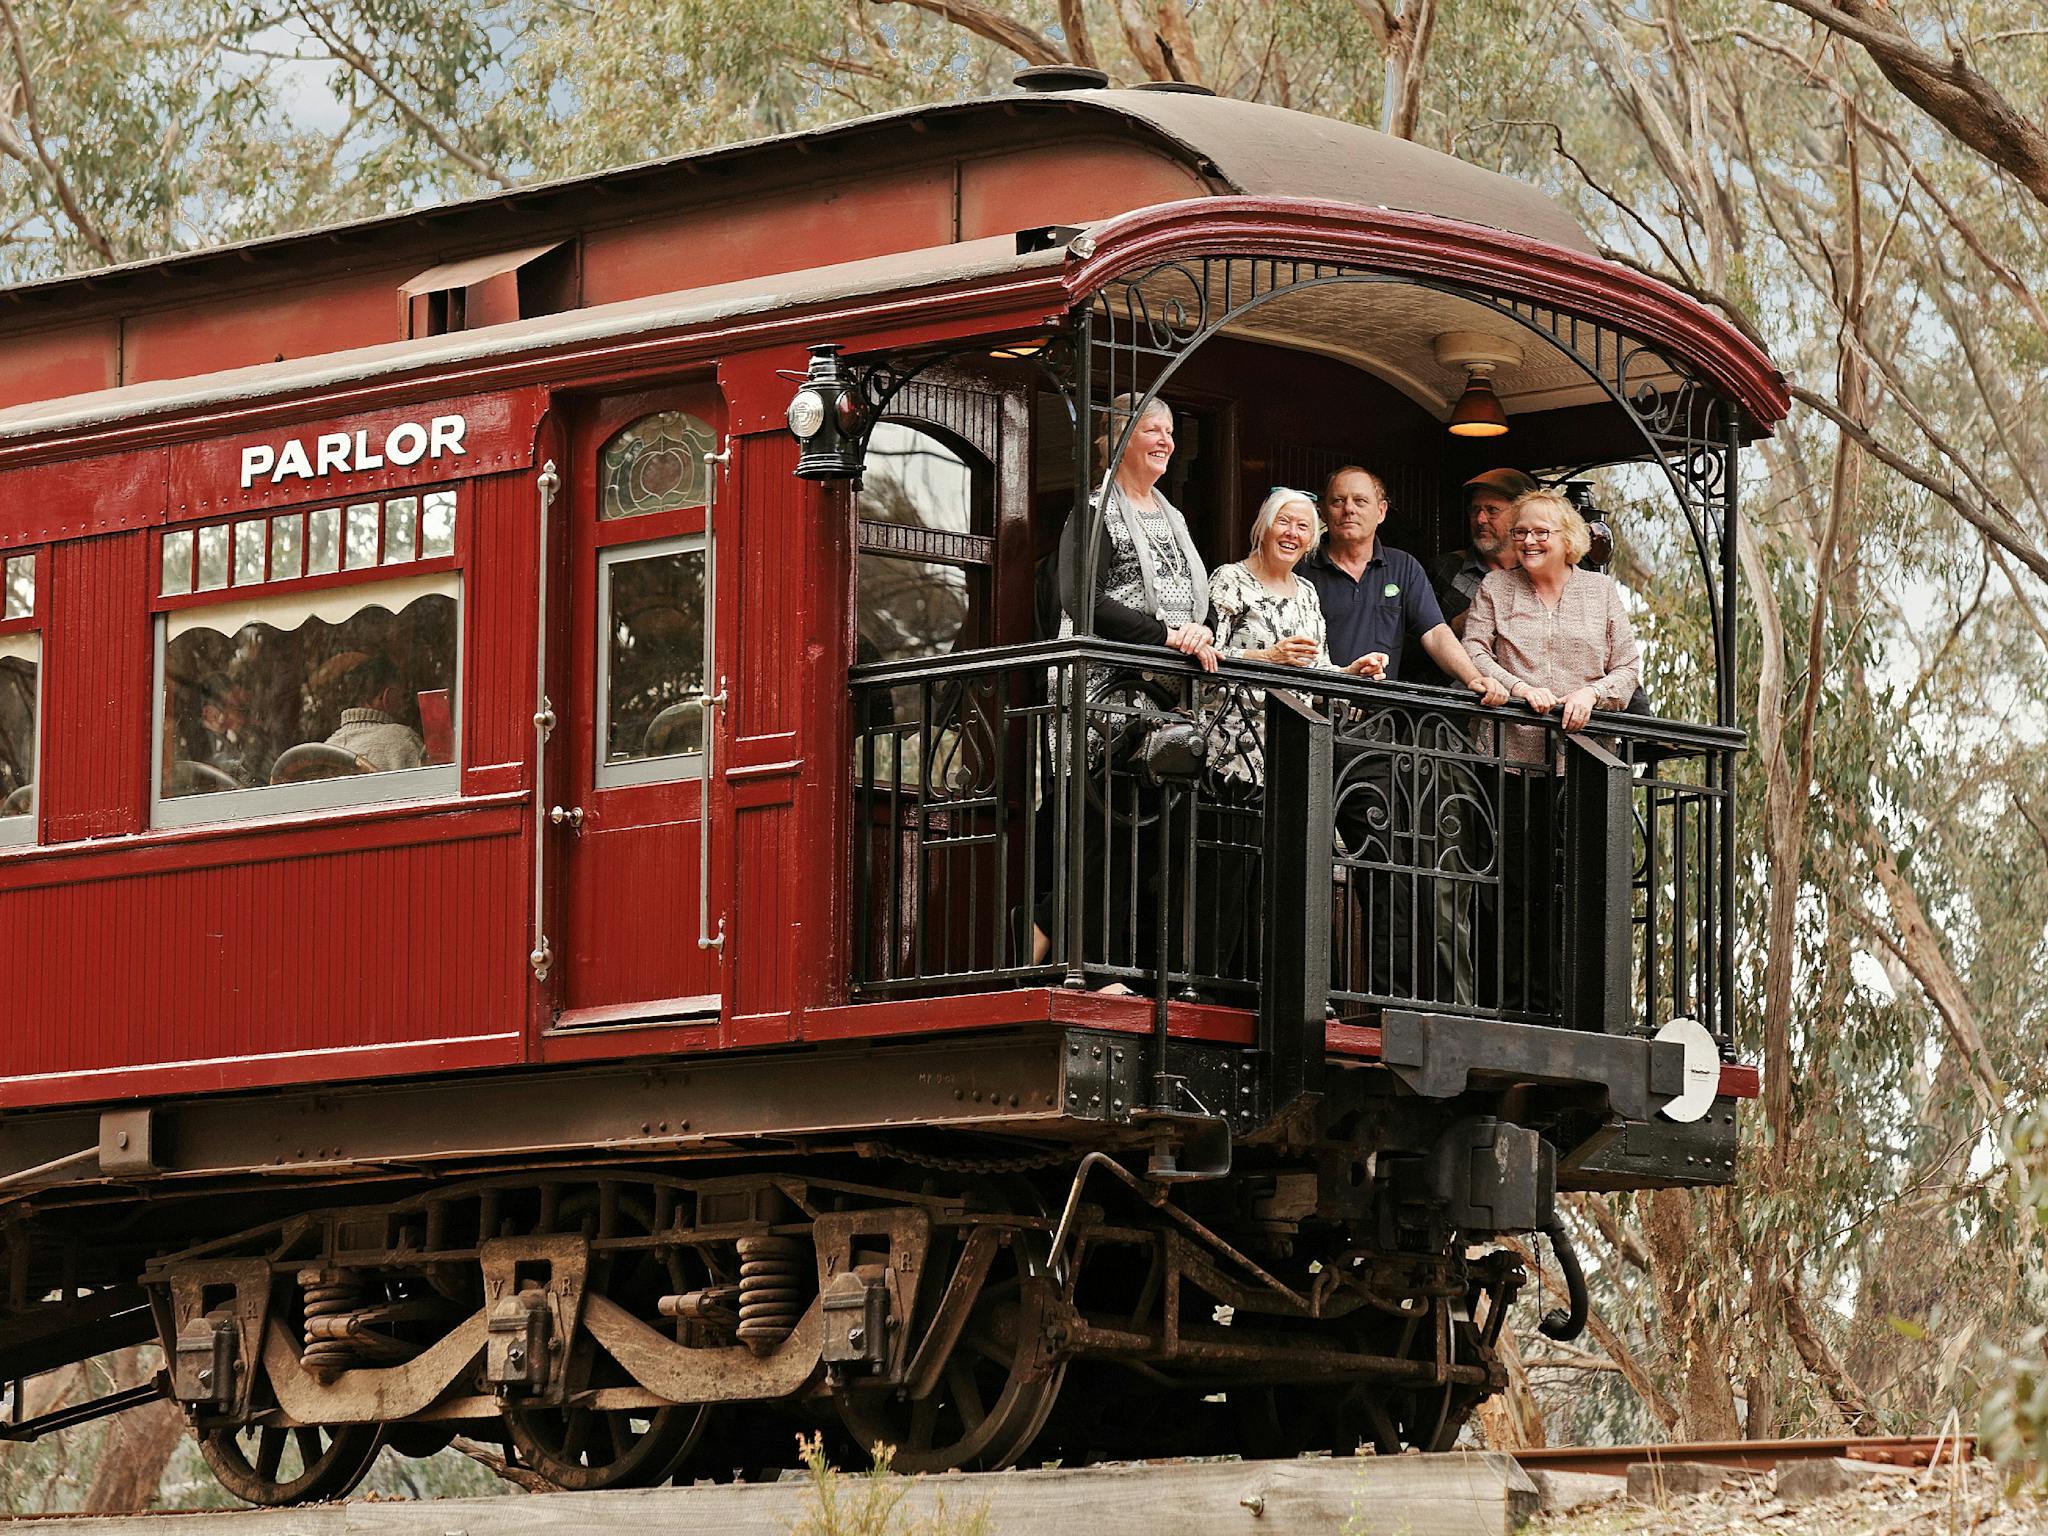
(1266, 612)
(1151, 587)
(1558, 636)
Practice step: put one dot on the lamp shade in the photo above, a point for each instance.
(1478, 412)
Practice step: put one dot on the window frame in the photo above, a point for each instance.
(973, 553)
(434, 781)
(26, 831)
(673, 767)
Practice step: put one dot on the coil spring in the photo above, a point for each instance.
(330, 1293)
(771, 1290)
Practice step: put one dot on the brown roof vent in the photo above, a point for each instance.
(1040, 78)
(1175, 87)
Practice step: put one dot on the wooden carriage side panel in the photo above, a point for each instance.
(290, 955)
(766, 578)
(267, 325)
(1066, 183)
(830, 219)
(96, 689)
(70, 360)
(497, 662)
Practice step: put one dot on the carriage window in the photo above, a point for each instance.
(20, 697)
(284, 546)
(303, 699)
(656, 465)
(652, 621)
(925, 550)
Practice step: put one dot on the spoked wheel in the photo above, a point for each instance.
(1340, 1416)
(998, 1384)
(588, 1448)
(265, 1464)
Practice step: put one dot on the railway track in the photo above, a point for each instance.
(1445, 1495)
(1751, 1455)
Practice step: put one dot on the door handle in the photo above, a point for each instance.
(572, 816)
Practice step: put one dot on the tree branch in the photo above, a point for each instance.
(1074, 23)
(1949, 91)
(1857, 1415)
(322, 26)
(52, 172)
(1608, 1340)
(2000, 527)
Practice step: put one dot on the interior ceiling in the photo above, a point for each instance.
(1388, 329)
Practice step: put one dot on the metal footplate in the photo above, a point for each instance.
(1441, 1057)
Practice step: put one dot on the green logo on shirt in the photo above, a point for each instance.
(1393, 589)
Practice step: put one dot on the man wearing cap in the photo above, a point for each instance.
(1489, 506)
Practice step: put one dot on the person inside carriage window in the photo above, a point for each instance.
(370, 727)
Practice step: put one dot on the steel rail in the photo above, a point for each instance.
(1752, 1455)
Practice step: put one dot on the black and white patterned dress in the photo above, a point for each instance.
(1251, 616)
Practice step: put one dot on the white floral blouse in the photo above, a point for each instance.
(1251, 616)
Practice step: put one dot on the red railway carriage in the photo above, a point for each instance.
(538, 898)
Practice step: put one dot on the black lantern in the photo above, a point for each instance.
(830, 419)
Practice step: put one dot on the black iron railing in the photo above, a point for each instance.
(1088, 813)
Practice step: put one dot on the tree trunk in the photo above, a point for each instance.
(138, 1444)
(1706, 1401)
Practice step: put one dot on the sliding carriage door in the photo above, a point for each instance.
(641, 887)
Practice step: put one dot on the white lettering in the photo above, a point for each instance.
(444, 435)
(406, 444)
(337, 453)
(292, 460)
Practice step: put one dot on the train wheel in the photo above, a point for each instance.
(582, 1449)
(996, 1388)
(270, 1465)
(585, 1449)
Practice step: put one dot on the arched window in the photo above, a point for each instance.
(925, 546)
(653, 602)
(655, 465)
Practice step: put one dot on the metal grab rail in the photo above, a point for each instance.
(709, 706)
(1006, 833)
(542, 957)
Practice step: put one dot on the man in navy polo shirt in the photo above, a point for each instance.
(1375, 597)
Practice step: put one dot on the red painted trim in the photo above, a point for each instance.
(1027, 1005)
(306, 835)
(1740, 1081)
(1424, 245)
(283, 1069)
(361, 576)
(1352, 1040)
(600, 1043)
